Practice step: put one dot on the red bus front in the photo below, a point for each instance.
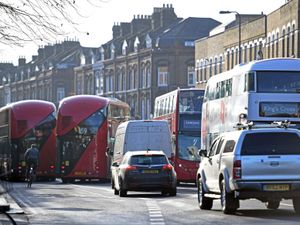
(187, 145)
(82, 138)
(33, 121)
(182, 108)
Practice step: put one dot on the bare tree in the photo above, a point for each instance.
(38, 20)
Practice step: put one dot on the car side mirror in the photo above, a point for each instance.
(115, 164)
(202, 153)
(109, 152)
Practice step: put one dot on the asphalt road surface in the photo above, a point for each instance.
(95, 203)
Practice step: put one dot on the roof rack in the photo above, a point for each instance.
(275, 124)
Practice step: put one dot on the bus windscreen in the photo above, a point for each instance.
(278, 82)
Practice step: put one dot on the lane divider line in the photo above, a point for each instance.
(155, 214)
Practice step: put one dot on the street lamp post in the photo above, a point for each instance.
(240, 31)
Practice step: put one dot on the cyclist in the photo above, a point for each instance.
(31, 158)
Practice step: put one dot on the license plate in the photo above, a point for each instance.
(150, 171)
(276, 187)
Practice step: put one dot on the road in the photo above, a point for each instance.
(95, 203)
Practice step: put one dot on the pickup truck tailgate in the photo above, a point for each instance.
(286, 167)
(271, 156)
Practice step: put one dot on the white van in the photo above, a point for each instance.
(139, 135)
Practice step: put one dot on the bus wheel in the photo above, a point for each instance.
(65, 180)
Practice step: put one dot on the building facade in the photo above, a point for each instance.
(48, 76)
(148, 57)
(261, 36)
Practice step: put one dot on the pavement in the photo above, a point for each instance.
(9, 208)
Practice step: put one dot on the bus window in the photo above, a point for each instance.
(167, 105)
(285, 82)
(249, 82)
(222, 88)
(228, 88)
(171, 103)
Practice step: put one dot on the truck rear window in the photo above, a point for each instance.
(280, 143)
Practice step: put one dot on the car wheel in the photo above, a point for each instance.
(112, 183)
(173, 192)
(272, 204)
(296, 204)
(116, 192)
(203, 202)
(228, 202)
(122, 191)
(164, 192)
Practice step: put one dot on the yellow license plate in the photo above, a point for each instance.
(150, 171)
(276, 187)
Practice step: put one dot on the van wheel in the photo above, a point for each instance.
(228, 202)
(164, 192)
(296, 204)
(203, 202)
(272, 204)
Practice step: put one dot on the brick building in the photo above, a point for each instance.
(262, 36)
(148, 57)
(48, 76)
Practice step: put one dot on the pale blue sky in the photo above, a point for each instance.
(98, 21)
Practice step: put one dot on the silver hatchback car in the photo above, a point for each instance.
(257, 163)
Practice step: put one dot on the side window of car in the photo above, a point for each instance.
(213, 148)
(219, 146)
(229, 146)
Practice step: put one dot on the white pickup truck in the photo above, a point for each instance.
(257, 163)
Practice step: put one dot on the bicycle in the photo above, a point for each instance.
(31, 176)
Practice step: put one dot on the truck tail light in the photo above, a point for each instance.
(237, 169)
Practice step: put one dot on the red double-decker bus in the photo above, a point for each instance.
(86, 126)
(22, 124)
(182, 108)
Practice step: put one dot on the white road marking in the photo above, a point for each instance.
(156, 217)
(94, 193)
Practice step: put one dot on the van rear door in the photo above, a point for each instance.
(271, 156)
(152, 135)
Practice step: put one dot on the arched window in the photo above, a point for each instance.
(216, 66)
(245, 53)
(283, 43)
(293, 40)
(220, 64)
(273, 45)
(288, 41)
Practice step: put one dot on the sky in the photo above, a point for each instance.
(98, 20)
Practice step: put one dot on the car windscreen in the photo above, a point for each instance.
(280, 143)
(148, 160)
